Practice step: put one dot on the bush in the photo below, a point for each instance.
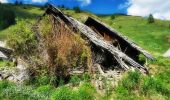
(45, 90)
(86, 92)
(121, 90)
(22, 40)
(131, 81)
(62, 93)
(113, 17)
(77, 9)
(13, 92)
(75, 80)
(154, 84)
(151, 19)
(62, 53)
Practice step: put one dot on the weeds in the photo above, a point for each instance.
(131, 81)
(65, 49)
(151, 83)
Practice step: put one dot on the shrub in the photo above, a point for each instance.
(16, 2)
(62, 6)
(86, 77)
(65, 48)
(113, 17)
(62, 93)
(77, 9)
(85, 92)
(7, 17)
(45, 90)
(154, 84)
(14, 92)
(121, 90)
(4, 85)
(75, 80)
(151, 19)
(22, 40)
(131, 81)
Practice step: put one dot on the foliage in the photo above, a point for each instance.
(77, 9)
(75, 80)
(84, 92)
(131, 81)
(45, 90)
(10, 91)
(151, 19)
(7, 17)
(63, 54)
(113, 17)
(62, 93)
(151, 83)
(22, 40)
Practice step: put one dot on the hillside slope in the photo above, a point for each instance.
(153, 37)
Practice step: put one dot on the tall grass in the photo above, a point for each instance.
(65, 48)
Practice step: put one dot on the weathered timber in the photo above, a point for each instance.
(124, 42)
(6, 52)
(96, 39)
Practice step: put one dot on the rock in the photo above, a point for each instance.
(10, 78)
(2, 56)
(17, 74)
(167, 54)
(0, 78)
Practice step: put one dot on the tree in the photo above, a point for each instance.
(16, 2)
(20, 3)
(113, 17)
(62, 6)
(77, 9)
(7, 18)
(151, 19)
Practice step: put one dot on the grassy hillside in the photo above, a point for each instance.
(153, 37)
(23, 12)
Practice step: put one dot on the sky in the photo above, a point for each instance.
(159, 8)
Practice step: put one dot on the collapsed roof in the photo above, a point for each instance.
(101, 36)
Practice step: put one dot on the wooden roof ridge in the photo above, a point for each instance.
(129, 41)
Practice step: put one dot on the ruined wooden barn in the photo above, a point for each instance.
(110, 48)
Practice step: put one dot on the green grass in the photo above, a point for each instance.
(151, 37)
(22, 12)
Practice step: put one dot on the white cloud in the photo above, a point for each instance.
(159, 8)
(84, 2)
(4, 1)
(39, 1)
